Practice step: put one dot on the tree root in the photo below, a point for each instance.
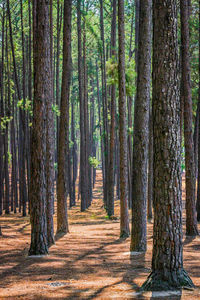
(173, 280)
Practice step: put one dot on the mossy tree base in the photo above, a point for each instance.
(157, 281)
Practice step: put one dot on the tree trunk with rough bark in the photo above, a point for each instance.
(42, 93)
(191, 219)
(150, 169)
(124, 217)
(167, 260)
(198, 179)
(105, 107)
(63, 144)
(2, 108)
(111, 170)
(50, 146)
(141, 131)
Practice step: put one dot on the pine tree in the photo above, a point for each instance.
(167, 260)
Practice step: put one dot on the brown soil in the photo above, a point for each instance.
(90, 262)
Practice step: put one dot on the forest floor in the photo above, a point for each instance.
(90, 262)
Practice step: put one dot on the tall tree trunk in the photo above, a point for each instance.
(137, 17)
(141, 131)
(150, 168)
(105, 106)
(59, 24)
(14, 158)
(23, 193)
(195, 139)
(167, 260)
(198, 180)
(124, 217)
(111, 170)
(23, 119)
(130, 152)
(100, 125)
(29, 118)
(42, 94)
(86, 118)
(50, 146)
(6, 147)
(74, 155)
(191, 220)
(63, 144)
(2, 109)
(83, 187)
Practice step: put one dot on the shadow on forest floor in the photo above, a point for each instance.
(89, 262)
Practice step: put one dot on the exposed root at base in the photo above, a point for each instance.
(156, 281)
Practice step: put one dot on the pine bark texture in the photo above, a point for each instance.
(2, 109)
(124, 217)
(42, 93)
(167, 260)
(191, 220)
(111, 171)
(141, 131)
(63, 148)
(82, 176)
(105, 158)
(150, 170)
(50, 147)
(198, 182)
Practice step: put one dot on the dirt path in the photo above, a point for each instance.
(90, 262)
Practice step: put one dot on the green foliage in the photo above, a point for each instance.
(112, 74)
(56, 110)
(56, 167)
(130, 130)
(4, 121)
(25, 105)
(71, 143)
(93, 161)
(9, 158)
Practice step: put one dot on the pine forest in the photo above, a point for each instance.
(99, 149)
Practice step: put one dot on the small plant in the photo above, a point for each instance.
(93, 161)
(56, 110)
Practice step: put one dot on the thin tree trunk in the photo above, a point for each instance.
(83, 187)
(2, 109)
(124, 217)
(63, 144)
(14, 158)
(150, 169)
(111, 170)
(198, 180)
(141, 131)
(191, 219)
(195, 139)
(50, 146)
(23, 119)
(105, 106)
(86, 118)
(6, 148)
(74, 155)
